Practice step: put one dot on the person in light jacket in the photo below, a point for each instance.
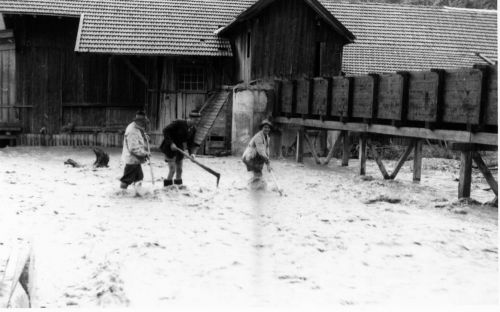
(257, 152)
(135, 152)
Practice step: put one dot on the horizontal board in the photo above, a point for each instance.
(422, 96)
(340, 96)
(320, 96)
(303, 96)
(363, 97)
(462, 96)
(390, 97)
(492, 108)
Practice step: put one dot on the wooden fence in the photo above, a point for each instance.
(462, 99)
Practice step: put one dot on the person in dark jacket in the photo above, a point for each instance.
(178, 134)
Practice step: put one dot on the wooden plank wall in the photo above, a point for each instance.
(7, 78)
(284, 38)
(56, 86)
(457, 99)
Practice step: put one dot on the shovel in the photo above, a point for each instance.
(275, 181)
(216, 174)
(149, 163)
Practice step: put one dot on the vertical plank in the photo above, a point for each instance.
(465, 179)
(299, 157)
(486, 172)
(346, 149)
(362, 154)
(417, 161)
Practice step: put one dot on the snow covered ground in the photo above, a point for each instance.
(333, 239)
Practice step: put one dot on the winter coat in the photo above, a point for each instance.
(257, 149)
(134, 146)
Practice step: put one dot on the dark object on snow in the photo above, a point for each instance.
(102, 159)
(383, 198)
(72, 163)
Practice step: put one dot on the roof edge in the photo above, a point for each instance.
(79, 34)
(258, 6)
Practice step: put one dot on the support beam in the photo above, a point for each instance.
(346, 148)
(379, 162)
(417, 161)
(299, 153)
(362, 155)
(311, 147)
(486, 172)
(421, 133)
(464, 182)
(335, 142)
(135, 70)
(402, 160)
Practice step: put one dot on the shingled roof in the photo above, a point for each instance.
(388, 37)
(162, 27)
(393, 37)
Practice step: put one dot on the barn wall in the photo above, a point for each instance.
(58, 88)
(286, 40)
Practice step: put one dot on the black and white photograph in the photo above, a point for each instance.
(249, 155)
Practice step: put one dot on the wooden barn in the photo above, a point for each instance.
(74, 72)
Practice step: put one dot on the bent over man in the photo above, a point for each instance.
(257, 152)
(178, 134)
(134, 152)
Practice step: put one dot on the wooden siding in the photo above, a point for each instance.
(7, 78)
(284, 39)
(464, 99)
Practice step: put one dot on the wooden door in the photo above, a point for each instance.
(8, 113)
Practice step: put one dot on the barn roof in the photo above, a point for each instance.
(258, 6)
(388, 37)
(166, 27)
(403, 37)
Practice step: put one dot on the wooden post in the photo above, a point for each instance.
(362, 154)
(464, 182)
(417, 161)
(299, 156)
(311, 147)
(379, 162)
(335, 141)
(402, 160)
(486, 172)
(346, 149)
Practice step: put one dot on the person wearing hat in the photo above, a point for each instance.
(135, 152)
(257, 152)
(178, 134)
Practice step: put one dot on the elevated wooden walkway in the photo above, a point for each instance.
(459, 106)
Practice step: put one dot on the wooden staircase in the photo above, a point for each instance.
(209, 113)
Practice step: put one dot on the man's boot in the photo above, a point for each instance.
(167, 182)
(178, 182)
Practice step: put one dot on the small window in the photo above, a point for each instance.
(191, 78)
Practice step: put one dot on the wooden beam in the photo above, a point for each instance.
(362, 155)
(402, 160)
(335, 141)
(464, 182)
(422, 133)
(311, 147)
(379, 162)
(346, 148)
(486, 172)
(417, 161)
(299, 153)
(110, 79)
(135, 70)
